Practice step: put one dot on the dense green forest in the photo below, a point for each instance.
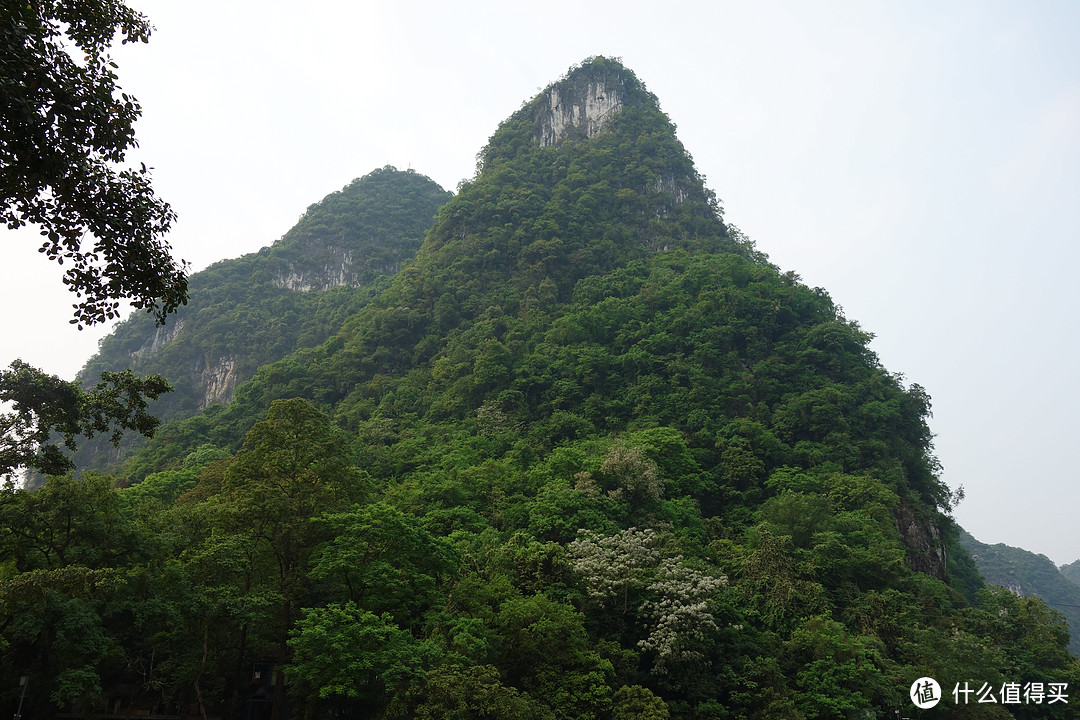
(588, 455)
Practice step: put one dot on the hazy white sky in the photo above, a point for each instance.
(919, 160)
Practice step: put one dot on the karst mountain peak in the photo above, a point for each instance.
(584, 102)
(601, 106)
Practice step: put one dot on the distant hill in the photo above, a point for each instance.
(1072, 572)
(1029, 574)
(249, 311)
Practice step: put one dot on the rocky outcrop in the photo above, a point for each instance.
(329, 275)
(585, 108)
(163, 335)
(246, 312)
(217, 379)
(924, 540)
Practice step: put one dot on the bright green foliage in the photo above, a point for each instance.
(1033, 640)
(383, 559)
(833, 671)
(633, 702)
(343, 651)
(293, 471)
(545, 651)
(168, 485)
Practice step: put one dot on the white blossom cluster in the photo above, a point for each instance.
(677, 604)
(680, 611)
(613, 565)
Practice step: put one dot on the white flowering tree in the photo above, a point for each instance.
(629, 572)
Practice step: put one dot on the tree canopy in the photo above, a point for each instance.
(65, 127)
(48, 413)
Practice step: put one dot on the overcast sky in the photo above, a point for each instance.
(918, 160)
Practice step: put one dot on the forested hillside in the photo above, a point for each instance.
(1072, 572)
(1028, 574)
(589, 455)
(249, 311)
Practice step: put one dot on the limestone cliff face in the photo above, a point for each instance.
(163, 335)
(581, 109)
(213, 379)
(336, 267)
(305, 278)
(607, 150)
(217, 378)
